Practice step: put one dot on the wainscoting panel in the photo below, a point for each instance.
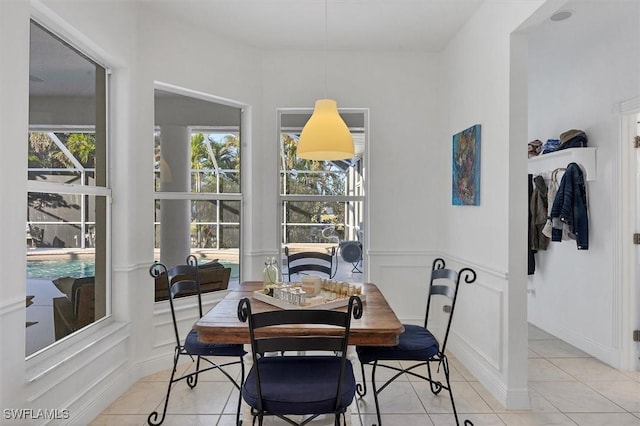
(479, 320)
(478, 336)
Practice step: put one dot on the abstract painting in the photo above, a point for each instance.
(466, 167)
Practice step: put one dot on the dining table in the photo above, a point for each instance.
(378, 325)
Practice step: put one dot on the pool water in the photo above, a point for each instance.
(77, 268)
(52, 269)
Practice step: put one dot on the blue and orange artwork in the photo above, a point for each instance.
(466, 167)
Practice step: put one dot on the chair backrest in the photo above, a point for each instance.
(298, 338)
(310, 261)
(180, 278)
(84, 300)
(444, 284)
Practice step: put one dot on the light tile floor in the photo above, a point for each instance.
(566, 386)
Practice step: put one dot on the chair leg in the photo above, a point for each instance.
(238, 422)
(192, 380)
(445, 365)
(435, 386)
(153, 417)
(375, 392)
(362, 389)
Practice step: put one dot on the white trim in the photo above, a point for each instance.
(47, 18)
(200, 95)
(59, 358)
(245, 141)
(494, 271)
(625, 254)
(629, 106)
(328, 198)
(12, 305)
(52, 356)
(490, 270)
(513, 398)
(196, 196)
(331, 198)
(65, 188)
(113, 371)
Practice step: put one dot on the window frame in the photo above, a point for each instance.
(87, 50)
(362, 200)
(208, 196)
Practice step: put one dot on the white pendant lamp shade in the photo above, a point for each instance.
(325, 136)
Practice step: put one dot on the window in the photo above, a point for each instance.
(322, 203)
(68, 192)
(198, 200)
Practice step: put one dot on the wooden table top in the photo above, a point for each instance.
(378, 325)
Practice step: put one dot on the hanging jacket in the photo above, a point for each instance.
(531, 259)
(570, 208)
(539, 208)
(551, 196)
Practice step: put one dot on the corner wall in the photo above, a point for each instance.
(83, 368)
(490, 331)
(14, 111)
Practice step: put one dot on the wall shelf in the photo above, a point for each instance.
(546, 163)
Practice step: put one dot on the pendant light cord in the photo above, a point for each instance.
(326, 43)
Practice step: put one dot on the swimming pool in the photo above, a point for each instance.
(77, 268)
(52, 269)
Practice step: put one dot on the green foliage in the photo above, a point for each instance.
(44, 153)
(226, 153)
(325, 179)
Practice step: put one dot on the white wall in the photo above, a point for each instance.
(78, 375)
(490, 334)
(579, 70)
(14, 85)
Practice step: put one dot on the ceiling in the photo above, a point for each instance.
(423, 25)
(354, 25)
(417, 25)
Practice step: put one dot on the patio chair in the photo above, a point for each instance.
(185, 278)
(310, 261)
(351, 251)
(76, 308)
(213, 276)
(299, 384)
(419, 343)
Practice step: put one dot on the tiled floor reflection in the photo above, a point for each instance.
(567, 387)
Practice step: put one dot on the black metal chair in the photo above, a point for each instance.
(418, 343)
(301, 384)
(185, 278)
(311, 261)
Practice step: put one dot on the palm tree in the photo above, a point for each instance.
(324, 182)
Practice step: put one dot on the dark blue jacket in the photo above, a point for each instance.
(570, 207)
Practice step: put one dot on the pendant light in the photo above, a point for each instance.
(326, 135)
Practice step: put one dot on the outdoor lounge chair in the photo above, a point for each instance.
(213, 276)
(77, 308)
